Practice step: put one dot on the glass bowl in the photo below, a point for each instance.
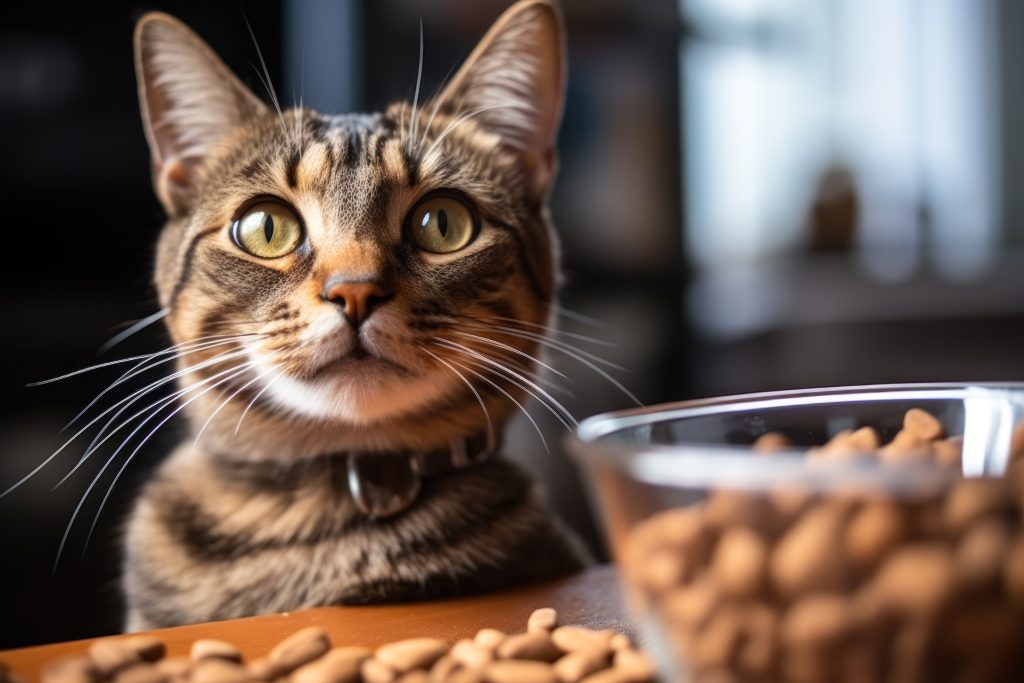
(790, 561)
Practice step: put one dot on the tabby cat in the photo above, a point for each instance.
(360, 299)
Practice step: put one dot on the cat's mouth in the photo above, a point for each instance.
(358, 358)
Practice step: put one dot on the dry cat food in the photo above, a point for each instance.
(790, 586)
(546, 653)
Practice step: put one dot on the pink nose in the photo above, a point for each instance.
(358, 298)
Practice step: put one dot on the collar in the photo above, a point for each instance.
(384, 484)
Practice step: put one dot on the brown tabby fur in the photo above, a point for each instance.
(260, 520)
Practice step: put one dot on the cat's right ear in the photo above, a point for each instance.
(189, 99)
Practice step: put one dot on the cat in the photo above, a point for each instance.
(359, 300)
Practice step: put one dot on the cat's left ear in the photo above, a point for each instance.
(189, 99)
(513, 84)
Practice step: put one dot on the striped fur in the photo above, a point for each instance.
(250, 514)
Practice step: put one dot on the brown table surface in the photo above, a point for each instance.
(588, 599)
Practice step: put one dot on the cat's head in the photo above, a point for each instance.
(373, 261)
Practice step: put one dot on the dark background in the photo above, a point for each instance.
(726, 234)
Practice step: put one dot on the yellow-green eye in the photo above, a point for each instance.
(441, 224)
(268, 230)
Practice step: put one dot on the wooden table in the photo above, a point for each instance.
(588, 599)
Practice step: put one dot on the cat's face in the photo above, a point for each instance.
(367, 263)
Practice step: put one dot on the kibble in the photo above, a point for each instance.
(805, 585)
(490, 656)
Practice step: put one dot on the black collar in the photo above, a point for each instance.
(384, 484)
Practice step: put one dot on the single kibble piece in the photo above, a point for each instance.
(573, 638)
(864, 440)
(139, 672)
(76, 670)
(757, 653)
(175, 667)
(301, 648)
(716, 643)
(915, 579)
(574, 666)
(972, 499)
(807, 558)
(905, 447)
(662, 570)
(519, 671)
(739, 562)
(634, 663)
(539, 646)
(415, 676)
(412, 653)
(468, 653)
(923, 425)
(149, 648)
(679, 529)
(340, 665)
(691, 605)
(978, 558)
(109, 655)
(543, 619)
(211, 647)
(445, 667)
(816, 621)
(375, 671)
(215, 670)
(726, 509)
(490, 638)
(949, 452)
(770, 442)
(873, 531)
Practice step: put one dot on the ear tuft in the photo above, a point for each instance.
(189, 101)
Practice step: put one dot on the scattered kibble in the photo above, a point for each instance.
(545, 653)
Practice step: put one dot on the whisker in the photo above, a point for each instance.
(557, 409)
(96, 478)
(138, 369)
(98, 441)
(545, 328)
(512, 349)
(511, 398)
(238, 425)
(67, 443)
(416, 95)
(266, 83)
(224, 403)
(578, 317)
(480, 400)
(462, 118)
(132, 329)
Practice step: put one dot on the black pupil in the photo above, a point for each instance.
(442, 222)
(268, 227)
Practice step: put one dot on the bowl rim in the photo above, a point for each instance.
(702, 465)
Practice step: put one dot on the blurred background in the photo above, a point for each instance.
(754, 194)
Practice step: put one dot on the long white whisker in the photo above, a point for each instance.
(533, 374)
(138, 369)
(546, 329)
(511, 398)
(266, 83)
(512, 349)
(416, 95)
(96, 478)
(228, 400)
(238, 371)
(578, 317)
(98, 441)
(255, 398)
(480, 400)
(136, 327)
(57, 452)
(551, 402)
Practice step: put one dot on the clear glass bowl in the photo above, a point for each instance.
(671, 464)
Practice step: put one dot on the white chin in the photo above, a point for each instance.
(355, 398)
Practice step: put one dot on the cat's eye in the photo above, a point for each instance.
(442, 223)
(267, 230)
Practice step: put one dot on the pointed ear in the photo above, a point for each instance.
(513, 85)
(189, 101)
